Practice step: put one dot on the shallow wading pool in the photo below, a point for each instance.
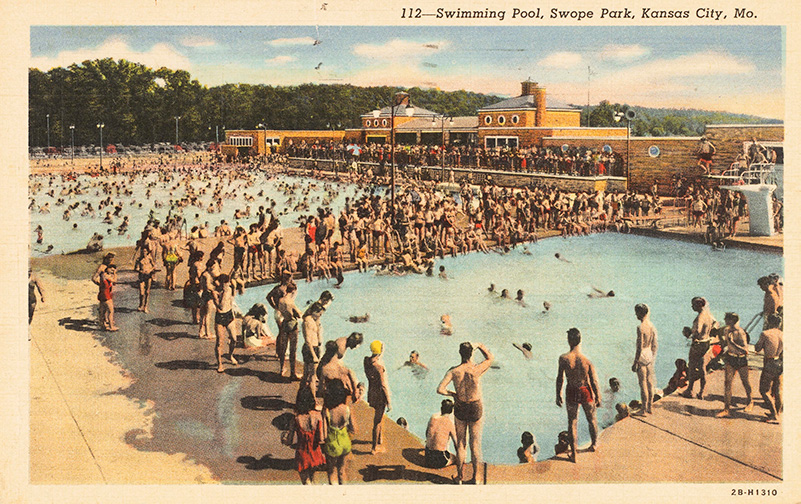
(519, 395)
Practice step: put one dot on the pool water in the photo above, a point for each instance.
(64, 238)
(519, 395)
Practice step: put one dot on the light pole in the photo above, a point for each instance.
(217, 134)
(629, 115)
(100, 126)
(176, 129)
(48, 134)
(397, 99)
(442, 118)
(72, 143)
(262, 127)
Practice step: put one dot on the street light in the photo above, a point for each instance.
(629, 116)
(48, 134)
(442, 118)
(263, 127)
(100, 126)
(397, 100)
(72, 143)
(176, 129)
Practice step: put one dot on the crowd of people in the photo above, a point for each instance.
(566, 160)
(398, 239)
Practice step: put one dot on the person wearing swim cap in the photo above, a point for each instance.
(378, 396)
(468, 409)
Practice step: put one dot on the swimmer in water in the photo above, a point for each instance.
(414, 362)
(491, 289)
(359, 319)
(505, 294)
(442, 274)
(519, 298)
(561, 257)
(598, 293)
(447, 328)
(547, 306)
(525, 348)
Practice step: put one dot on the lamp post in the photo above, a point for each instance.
(397, 99)
(442, 118)
(72, 143)
(48, 134)
(176, 129)
(629, 115)
(100, 126)
(263, 127)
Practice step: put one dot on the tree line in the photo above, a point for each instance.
(139, 105)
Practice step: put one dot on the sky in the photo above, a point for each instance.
(739, 69)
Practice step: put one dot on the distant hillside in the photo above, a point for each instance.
(666, 121)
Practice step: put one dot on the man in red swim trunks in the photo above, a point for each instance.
(468, 410)
(582, 388)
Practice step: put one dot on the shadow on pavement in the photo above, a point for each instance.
(72, 324)
(283, 421)
(184, 364)
(265, 376)
(162, 322)
(399, 472)
(266, 403)
(267, 462)
(172, 336)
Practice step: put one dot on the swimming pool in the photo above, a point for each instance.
(64, 238)
(519, 395)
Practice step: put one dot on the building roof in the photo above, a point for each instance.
(527, 102)
(424, 123)
(400, 110)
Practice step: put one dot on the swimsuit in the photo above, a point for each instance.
(105, 290)
(735, 361)
(337, 442)
(437, 459)
(308, 454)
(224, 318)
(467, 411)
(578, 395)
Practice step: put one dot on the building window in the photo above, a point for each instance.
(241, 141)
(653, 151)
(501, 120)
(515, 119)
(367, 123)
(272, 141)
(383, 123)
(500, 141)
(487, 119)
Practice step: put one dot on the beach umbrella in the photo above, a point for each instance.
(354, 149)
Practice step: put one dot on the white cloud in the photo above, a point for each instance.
(624, 53)
(398, 49)
(194, 41)
(160, 55)
(280, 60)
(281, 42)
(562, 60)
(689, 81)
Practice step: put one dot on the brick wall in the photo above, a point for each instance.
(728, 140)
(563, 119)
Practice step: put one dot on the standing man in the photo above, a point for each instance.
(770, 381)
(701, 335)
(581, 388)
(468, 409)
(736, 358)
(645, 356)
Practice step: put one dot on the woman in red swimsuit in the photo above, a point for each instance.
(308, 426)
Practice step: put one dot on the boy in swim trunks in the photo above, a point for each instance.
(581, 388)
(736, 358)
(468, 409)
(439, 433)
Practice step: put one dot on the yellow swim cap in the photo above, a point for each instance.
(376, 347)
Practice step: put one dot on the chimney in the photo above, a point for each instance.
(539, 102)
(528, 88)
